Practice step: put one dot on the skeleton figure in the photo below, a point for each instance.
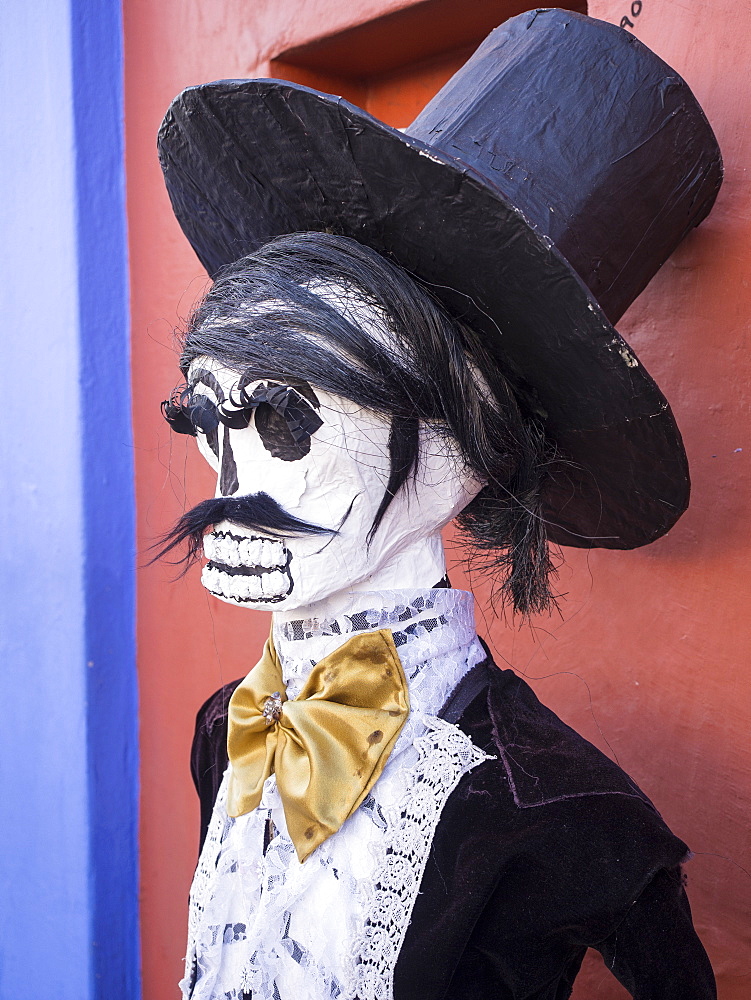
(386, 815)
(329, 510)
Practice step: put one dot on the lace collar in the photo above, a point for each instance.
(429, 628)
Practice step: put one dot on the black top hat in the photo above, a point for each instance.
(536, 194)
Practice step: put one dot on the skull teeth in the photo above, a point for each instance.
(245, 553)
(241, 588)
(245, 568)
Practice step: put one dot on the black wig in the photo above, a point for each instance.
(262, 317)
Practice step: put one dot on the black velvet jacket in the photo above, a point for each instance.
(539, 854)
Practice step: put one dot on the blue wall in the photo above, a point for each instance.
(68, 806)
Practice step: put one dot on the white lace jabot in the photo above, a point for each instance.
(261, 923)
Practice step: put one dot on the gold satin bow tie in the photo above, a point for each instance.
(328, 746)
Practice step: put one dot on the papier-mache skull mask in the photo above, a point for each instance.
(324, 461)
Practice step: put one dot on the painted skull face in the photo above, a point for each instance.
(323, 460)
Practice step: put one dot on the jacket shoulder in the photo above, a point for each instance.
(544, 759)
(555, 795)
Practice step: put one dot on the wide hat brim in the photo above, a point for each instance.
(248, 160)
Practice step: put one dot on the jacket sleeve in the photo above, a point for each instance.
(655, 951)
(208, 753)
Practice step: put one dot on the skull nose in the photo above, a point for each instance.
(228, 482)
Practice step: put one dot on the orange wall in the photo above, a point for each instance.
(648, 657)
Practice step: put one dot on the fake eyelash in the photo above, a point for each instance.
(188, 412)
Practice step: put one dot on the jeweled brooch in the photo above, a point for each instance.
(272, 708)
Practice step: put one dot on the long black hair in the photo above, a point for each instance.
(262, 317)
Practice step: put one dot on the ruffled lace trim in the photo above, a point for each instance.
(445, 755)
(203, 880)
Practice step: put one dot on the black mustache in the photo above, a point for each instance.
(257, 512)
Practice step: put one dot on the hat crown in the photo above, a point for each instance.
(599, 144)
